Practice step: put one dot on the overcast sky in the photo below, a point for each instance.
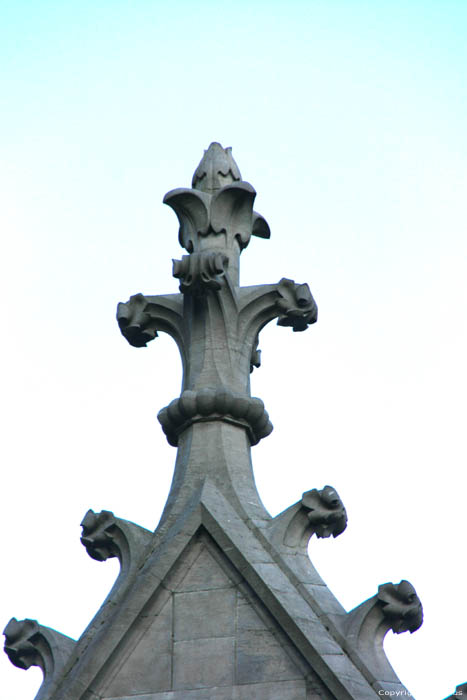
(349, 118)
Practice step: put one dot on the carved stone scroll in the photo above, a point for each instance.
(199, 272)
(29, 644)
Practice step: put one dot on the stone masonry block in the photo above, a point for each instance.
(261, 658)
(203, 663)
(203, 614)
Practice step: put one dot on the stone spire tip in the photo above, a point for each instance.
(217, 169)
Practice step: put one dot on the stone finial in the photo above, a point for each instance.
(401, 606)
(29, 644)
(216, 169)
(216, 214)
(215, 323)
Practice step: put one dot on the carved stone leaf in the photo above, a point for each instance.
(193, 212)
(232, 211)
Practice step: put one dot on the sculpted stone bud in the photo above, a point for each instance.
(217, 169)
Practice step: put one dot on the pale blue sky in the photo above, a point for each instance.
(349, 118)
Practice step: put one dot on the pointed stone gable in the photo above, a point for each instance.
(206, 635)
(222, 601)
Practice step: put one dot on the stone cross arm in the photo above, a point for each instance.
(213, 320)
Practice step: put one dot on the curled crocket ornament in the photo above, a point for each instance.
(97, 535)
(135, 324)
(27, 643)
(401, 606)
(325, 511)
(296, 305)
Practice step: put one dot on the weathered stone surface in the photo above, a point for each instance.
(284, 690)
(212, 631)
(204, 663)
(203, 614)
(149, 665)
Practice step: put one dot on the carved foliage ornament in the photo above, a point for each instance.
(135, 322)
(21, 643)
(29, 644)
(401, 606)
(98, 535)
(219, 203)
(214, 321)
(297, 308)
(325, 511)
